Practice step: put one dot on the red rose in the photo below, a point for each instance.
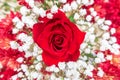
(59, 38)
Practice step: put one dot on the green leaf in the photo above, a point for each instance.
(90, 55)
(71, 17)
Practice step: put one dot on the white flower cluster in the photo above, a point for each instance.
(97, 38)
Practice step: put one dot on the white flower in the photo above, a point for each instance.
(87, 50)
(20, 59)
(76, 16)
(106, 35)
(24, 67)
(66, 7)
(63, 1)
(24, 10)
(100, 21)
(36, 10)
(109, 57)
(34, 74)
(83, 46)
(20, 74)
(15, 30)
(108, 22)
(22, 37)
(100, 55)
(88, 72)
(14, 44)
(113, 30)
(54, 9)
(116, 46)
(85, 2)
(105, 27)
(31, 3)
(25, 47)
(49, 15)
(38, 66)
(61, 65)
(112, 40)
(74, 5)
(92, 38)
(39, 58)
(15, 19)
(20, 25)
(98, 60)
(82, 12)
(14, 77)
(78, 1)
(89, 18)
(94, 13)
(100, 72)
(42, 12)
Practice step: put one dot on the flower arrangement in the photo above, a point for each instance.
(59, 40)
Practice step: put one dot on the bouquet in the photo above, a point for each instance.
(59, 40)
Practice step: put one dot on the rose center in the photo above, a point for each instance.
(58, 41)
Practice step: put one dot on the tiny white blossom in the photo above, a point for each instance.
(20, 25)
(20, 59)
(61, 65)
(56, 69)
(94, 13)
(85, 2)
(24, 67)
(14, 44)
(100, 21)
(74, 5)
(82, 12)
(116, 46)
(15, 30)
(66, 7)
(76, 16)
(42, 12)
(39, 58)
(109, 57)
(31, 3)
(88, 72)
(34, 74)
(20, 74)
(113, 40)
(89, 18)
(25, 47)
(92, 38)
(108, 22)
(14, 77)
(36, 10)
(98, 60)
(22, 37)
(78, 1)
(105, 27)
(87, 50)
(15, 19)
(54, 9)
(106, 35)
(91, 10)
(49, 15)
(83, 46)
(24, 10)
(100, 72)
(63, 1)
(100, 55)
(38, 66)
(113, 30)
